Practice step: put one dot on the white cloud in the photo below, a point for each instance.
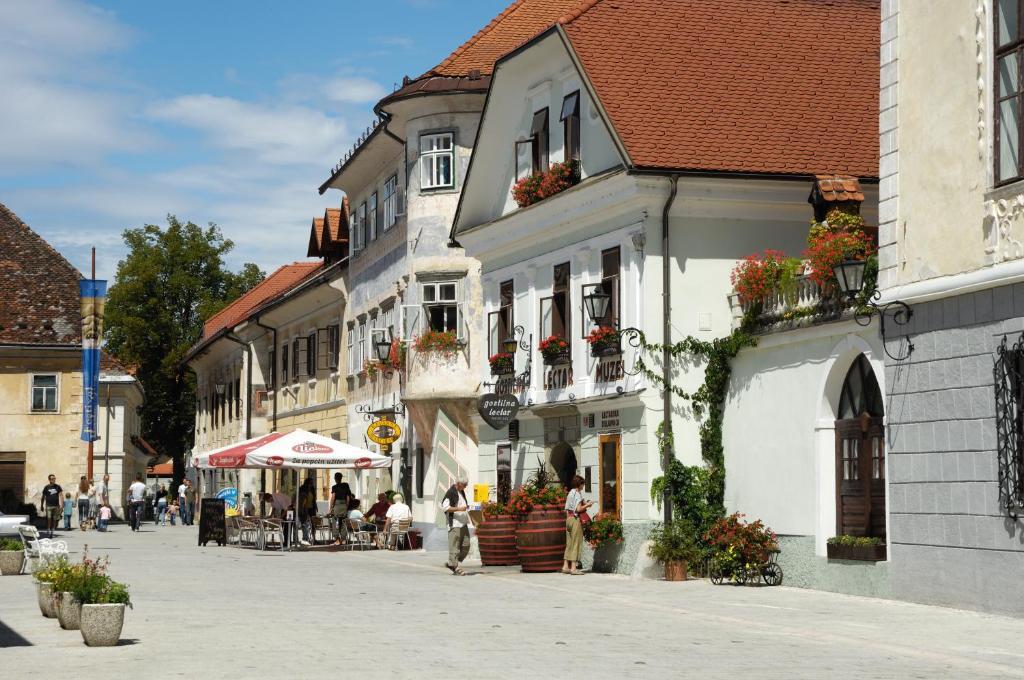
(353, 90)
(280, 135)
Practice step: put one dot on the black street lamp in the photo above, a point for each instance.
(597, 302)
(509, 344)
(850, 280)
(382, 347)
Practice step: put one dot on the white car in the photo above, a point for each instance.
(9, 524)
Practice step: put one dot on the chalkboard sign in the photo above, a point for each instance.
(211, 522)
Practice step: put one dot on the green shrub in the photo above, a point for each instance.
(11, 544)
(674, 542)
(861, 541)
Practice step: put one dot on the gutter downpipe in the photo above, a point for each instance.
(668, 451)
(248, 385)
(273, 426)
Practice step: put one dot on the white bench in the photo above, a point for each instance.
(39, 550)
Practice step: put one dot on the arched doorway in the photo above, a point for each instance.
(563, 460)
(860, 454)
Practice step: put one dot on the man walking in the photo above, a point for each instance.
(136, 501)
(51, 502)
(456, 508)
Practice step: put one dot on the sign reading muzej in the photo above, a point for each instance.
(93, 294)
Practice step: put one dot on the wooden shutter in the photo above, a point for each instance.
(410, 322)
(493, 341)
(546, 307)
(323, 349)
(298, 357)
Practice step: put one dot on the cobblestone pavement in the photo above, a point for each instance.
(227, 612)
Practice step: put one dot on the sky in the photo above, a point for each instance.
(115, 114)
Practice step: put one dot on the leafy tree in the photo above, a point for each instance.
(170, 282)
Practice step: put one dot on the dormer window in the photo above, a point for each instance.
(436, 159)
(571, 125)
(539, 140)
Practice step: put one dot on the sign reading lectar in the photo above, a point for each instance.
(383, 432)
(497, 410)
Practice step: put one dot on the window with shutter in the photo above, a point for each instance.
(410, 321)
(296, 359)
(442, 306)
(390, 202)
(350, 349)
(371, 217)
(539, 136)
(571, 125)
(333, 345)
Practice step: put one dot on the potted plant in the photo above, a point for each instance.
(103, 612)
(675, 545)
(12, 555)
(539, 185)
(864, 548)
(828, 246)
(45, 578)
(539, 507)
(65, 604)
(444, 343)
(502, 363)
(555, 350)
(604, 341)
(604, 534)
(496, 535)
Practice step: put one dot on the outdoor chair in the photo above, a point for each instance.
(397, 533)
(272, 531)
(359, 535)
(39, 551)
(248, 532)
(322, 531)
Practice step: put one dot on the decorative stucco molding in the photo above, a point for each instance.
(981, 25)
(1002, 222)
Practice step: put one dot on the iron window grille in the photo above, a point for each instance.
(1009, 392)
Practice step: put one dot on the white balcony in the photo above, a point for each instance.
(802, 304)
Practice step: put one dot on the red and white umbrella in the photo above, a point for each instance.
(295, 449)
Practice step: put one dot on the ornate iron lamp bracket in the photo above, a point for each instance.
(900, 313)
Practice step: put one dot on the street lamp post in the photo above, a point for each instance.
(850, 280)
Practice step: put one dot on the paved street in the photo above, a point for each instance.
(224, 612)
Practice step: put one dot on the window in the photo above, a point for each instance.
(296, 365)
(610, 284)
(524, 159)
(502, 324)
(504, 470)
(371, 217)
(44, 393)
(361, 354)
(1009, 47)
(350, 347)
(441, 305)
(361, 218)
(571, 125)
(284, 363)
(271, 359)
(238, 397)
(539, 137)
(333, 345)
(230, 401)
(436, 158)
(560, 301)
(311, 354)
(390, 202)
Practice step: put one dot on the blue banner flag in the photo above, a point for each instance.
(93, 293)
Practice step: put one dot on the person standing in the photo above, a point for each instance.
(182, 512)
(574, 506)
(93, 500)
(136, 501)
(82, 497)
(341, 496)
(103, 491)
(50, 502)
(104, 517)
(69, 506)
(161, 506)
(307, 508)
(456, 508)
(190, 495)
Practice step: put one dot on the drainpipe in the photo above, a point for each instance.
(273, 426)
(248, 384)
(668, 453)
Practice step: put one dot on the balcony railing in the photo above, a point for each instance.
(803, 302)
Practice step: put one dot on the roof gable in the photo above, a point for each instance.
(762, 86)
(316, 232)
(283, 279)
(39, 295)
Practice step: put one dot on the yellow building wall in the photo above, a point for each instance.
(49, 441)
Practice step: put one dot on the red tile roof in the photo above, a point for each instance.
(836, 188)
(39, 296)
(759, 86)
(519, 22)
(315, 248)
(280, 281)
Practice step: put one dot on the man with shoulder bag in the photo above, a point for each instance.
(456, 509)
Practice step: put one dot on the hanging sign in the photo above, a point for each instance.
(383, 431)
(497, 410)
(93, 298)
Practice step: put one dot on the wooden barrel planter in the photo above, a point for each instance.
(497, 539)
(540, 537)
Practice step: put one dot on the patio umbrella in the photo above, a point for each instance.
(296, 449)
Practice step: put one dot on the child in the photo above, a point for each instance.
(68, 505)
(172, 511)
(105, 513)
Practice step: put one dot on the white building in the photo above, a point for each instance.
(674, 146)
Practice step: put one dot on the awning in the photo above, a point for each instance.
(296, 449)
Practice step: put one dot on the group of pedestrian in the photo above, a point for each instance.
(92, 501)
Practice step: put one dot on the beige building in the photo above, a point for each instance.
(41, 378)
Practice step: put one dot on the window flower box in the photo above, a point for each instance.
(540, 185)
(555, 350)
(502, 363)
(604, 342)
(860, 548)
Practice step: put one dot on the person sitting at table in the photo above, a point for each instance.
(396, 513)
(354, 513)
(278, 503)
(379, 509)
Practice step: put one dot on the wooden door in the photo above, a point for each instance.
(860, 477)
(610, 464)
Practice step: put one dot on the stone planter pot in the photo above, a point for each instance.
(101, 624)
(675, 571)
(606, 557)
(10, 562)
(864, 553)
(44, 593)
(69, 610)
